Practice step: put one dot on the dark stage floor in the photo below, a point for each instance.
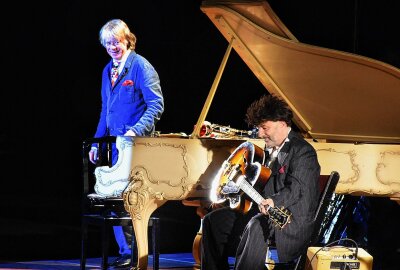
(51, 243)
(182, 261)
(167, 261)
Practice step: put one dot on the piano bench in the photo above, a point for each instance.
(106, 222)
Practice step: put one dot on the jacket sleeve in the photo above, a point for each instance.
(153, 98)
(102, 125)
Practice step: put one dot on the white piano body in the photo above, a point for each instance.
(159, 169)
(347, 105)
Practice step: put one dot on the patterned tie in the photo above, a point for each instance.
(114, 72)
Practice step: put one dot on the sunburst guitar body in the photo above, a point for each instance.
(241, 179)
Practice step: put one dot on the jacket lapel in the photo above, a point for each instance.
(125, 69)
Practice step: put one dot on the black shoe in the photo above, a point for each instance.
(121, 262)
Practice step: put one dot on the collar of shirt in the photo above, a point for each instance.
(273, 151)
(123, 60)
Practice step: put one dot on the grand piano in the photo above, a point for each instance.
(346, 105)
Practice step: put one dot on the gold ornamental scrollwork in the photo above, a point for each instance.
(137, 195)
(183, 155)
(349, 157)
(183, 188)
(386, 171)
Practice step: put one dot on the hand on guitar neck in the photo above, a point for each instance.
(265, 205)
(280, 216)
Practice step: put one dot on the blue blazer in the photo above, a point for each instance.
(135, 102)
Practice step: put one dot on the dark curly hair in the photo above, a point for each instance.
(268, 108)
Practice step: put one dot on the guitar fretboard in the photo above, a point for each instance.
(279, 216)
(249, 190)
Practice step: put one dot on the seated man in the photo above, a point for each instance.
(293, 184)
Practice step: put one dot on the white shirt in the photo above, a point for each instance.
(273, 151)
(123, 60)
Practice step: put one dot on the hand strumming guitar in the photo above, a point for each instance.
(263, 206)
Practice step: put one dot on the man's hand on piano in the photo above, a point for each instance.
(93, 155)
(130, 133)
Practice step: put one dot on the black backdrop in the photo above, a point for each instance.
(50, 98)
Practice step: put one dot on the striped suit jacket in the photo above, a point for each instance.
(293, 184)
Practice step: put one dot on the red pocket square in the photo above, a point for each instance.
(282, 169)
(127, 83)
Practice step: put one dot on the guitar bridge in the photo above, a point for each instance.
(234, 201)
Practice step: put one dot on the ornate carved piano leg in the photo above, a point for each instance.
(141, 203)
(140, 226)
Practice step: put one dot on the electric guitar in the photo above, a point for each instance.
(242, 173)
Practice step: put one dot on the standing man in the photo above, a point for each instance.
(293, 184)
(132, 103)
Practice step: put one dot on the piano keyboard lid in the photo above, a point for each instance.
(335, 95)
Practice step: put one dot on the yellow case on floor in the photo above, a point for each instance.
(337, 258)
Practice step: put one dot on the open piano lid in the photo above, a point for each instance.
(335, 95)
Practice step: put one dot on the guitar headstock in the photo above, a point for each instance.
(280, 216)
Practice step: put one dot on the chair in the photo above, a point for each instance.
(96, 210)
(327, 184)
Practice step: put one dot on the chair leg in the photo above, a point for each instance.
(155, 235)
(106, 240)
(300, 263)
(84, 239)
(105, 236)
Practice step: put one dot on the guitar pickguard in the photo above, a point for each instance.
(244, 161)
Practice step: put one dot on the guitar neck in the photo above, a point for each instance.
(279, 216)
(249, 190)
(240, 172)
